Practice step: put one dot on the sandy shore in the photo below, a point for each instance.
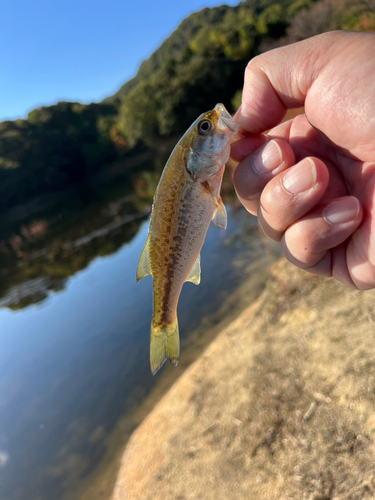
(281, 405)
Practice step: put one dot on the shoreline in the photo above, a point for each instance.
(279, 405)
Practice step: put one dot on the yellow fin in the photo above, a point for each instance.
(195, 273)
(164, 344)
(143, 268)
(220, 215)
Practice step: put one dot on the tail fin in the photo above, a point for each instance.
(164, 344)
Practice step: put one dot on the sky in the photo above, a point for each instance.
(79, 50)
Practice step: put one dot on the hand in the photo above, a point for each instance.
(311, 180)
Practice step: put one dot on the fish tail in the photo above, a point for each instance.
(164, 344)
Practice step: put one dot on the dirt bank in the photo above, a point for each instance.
(279, 406)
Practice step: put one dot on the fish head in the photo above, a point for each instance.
(209, 142)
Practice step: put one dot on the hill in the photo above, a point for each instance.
(201, 63)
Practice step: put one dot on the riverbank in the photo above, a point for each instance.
(279, 405)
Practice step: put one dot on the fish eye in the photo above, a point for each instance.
(204, 127)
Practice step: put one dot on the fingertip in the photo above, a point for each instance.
(261, 107)
(242, 180)
(343, 210)
(324, 228)
(261, 158)
(237, 113)
(308, 173)
(321, 172)
(254, 119)
(250, 205)
(258, 168)
(245, 146)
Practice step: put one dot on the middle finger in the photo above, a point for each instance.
(291, 195)
(255, 171)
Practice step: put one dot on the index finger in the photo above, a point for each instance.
(281, 79)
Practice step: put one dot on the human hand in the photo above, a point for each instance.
(311, 180)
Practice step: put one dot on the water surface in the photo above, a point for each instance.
(73, 357)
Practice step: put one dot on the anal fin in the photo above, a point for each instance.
(144, 268)
(195, 273)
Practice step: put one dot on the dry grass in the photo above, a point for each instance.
(280, 406)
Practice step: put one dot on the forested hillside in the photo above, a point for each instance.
(201, 63)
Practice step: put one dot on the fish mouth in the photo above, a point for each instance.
(226, 121)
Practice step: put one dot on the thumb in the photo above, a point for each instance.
(281, 79)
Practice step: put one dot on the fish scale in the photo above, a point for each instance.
(186, 200)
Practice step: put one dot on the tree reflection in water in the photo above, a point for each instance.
(38, 255)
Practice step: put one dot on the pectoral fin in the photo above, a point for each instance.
(195, 273)
(143, 268)
(220, 215)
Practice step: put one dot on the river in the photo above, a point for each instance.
(75, 346)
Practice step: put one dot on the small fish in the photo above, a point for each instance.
(186, 200)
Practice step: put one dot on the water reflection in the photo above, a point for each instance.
(65, 368)
(38, 255)
(73, 363)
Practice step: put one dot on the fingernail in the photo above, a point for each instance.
(340, 211)
(301, 177)
(269, 158)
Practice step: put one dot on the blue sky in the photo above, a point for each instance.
(79, 50)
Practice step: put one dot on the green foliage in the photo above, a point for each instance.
(327, 15)
(55, 147)
(198, 65)
(296, 7)
(138, 114)
(51, 245)
(271, 16)
(356, 18)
